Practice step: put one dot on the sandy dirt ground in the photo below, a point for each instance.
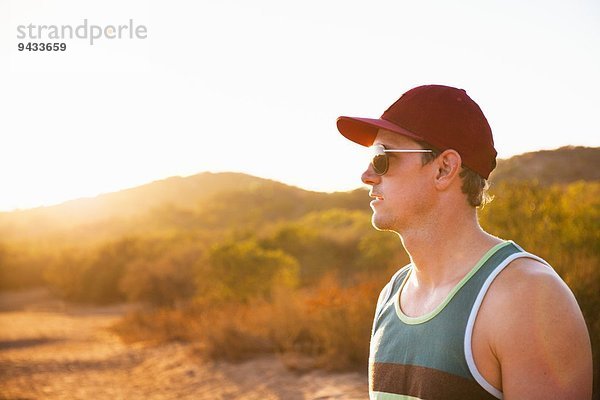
(52, 350)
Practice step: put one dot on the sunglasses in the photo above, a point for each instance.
(380, 160)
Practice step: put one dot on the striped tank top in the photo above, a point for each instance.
(429, 357)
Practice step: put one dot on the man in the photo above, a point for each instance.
(472, 316)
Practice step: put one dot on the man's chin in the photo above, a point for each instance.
(379, 224)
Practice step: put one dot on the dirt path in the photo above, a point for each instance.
(49, 350)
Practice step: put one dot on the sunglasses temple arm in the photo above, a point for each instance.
(408, 151)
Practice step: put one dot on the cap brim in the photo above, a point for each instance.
(364, 130)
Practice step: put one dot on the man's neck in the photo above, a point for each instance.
(447, 249)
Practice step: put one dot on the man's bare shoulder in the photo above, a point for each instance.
(525, 278)
(536, 331)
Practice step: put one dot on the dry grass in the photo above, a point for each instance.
(326, 327)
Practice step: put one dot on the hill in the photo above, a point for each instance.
(216, 199)
(547, 167)
(207, 199)
(178, 191)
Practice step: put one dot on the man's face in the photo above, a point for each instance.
(404, 193)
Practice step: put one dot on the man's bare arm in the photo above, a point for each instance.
(542, 343)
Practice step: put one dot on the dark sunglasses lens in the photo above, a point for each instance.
(380, 164)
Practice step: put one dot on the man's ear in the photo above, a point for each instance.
(448, 165)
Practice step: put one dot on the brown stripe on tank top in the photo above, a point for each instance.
(425, 383)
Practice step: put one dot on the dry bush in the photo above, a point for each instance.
(161, 281)
(158, 325)
(243, 270)
(235, 332)
(341, 319)
(327, 327)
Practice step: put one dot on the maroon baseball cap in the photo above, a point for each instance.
(443, 116)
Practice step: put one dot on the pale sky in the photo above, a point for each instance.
(256, 86)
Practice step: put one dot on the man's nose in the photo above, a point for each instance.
(369, 177)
